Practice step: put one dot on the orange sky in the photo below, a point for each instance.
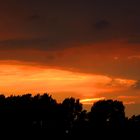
(86, 49)
(17, 78)
(88, 72)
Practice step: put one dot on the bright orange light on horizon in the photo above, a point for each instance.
(21, 79)
(91, 100)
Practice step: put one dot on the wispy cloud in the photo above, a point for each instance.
(134, 57)
(91, 100)
(129, 103)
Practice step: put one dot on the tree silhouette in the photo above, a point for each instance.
(134, 122)
(42, 116)
(107, 114)
(69, 111)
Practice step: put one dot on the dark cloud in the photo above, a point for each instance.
(62, 25)
(22, 44)
(34, 17)
(102, 24)
(71, 21)
(134, 40)
(34, 44)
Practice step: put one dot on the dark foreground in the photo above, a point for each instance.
(41, 117)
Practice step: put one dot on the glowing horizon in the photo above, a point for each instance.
(32, 79)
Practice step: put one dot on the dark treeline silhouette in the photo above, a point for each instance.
(41, 116)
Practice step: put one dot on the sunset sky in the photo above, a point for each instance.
(87, 49)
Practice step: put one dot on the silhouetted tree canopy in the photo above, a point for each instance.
(41, 115)
(107, 113)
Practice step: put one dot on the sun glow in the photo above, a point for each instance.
(91, 100)
(35, 79)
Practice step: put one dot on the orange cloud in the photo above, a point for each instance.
(129, 103)
(18, 78)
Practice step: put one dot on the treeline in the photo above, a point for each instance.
(42, 116)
